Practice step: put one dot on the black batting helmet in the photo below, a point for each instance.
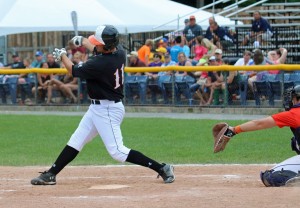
(289, 94)
(106, 35)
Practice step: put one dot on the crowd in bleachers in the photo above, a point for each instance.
(28, 89)
(195, 48)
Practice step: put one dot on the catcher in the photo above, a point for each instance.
(286, 173)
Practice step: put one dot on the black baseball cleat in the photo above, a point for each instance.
(46, 178)
(167, 173)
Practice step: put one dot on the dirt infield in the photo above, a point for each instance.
(134, 186)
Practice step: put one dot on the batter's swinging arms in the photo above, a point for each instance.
(104, 74)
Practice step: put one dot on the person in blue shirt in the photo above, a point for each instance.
(260, 31)
(176, 49)
(220, 37)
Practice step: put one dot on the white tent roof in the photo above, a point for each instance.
(129, 16)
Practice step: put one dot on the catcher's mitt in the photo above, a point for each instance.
(222, 134)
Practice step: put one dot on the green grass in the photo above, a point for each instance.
(37, 140)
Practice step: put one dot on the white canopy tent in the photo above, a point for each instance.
(129, 16)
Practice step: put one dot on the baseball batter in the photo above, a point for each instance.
(104, 74)
(286, 173)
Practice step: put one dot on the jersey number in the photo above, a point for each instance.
(117, 77)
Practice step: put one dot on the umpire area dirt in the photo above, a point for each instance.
(134, 186)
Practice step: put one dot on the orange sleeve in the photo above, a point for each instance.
(286, 118)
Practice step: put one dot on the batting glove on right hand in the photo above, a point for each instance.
(77, 41)
(58, 53)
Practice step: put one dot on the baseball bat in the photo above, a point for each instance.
(74, 21)
(75, 26)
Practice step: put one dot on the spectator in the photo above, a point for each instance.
(39, 59)
(12, 80)
(161, 51)
(26, 83)
(214, 80)
(51, 62)
(246, 60)
(209, 30)
(134, 61)
(220, 36)
(211, 48)
(199, 50)
(191, 31)
(164, 42)
(44, 86)
(233, 78)
(182, 61)
(176, 49)
(218, 55)
(186, 22)
(185, 47)
(144, 51)
(258, 59)
(260, 31)
(168, 61)
(278, 56)
(153, 77)
(67, 85)
(80, 49)
(16, 64)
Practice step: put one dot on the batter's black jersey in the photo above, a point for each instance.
(104, 74)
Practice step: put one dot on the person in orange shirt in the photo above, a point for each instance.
(144, 51)
(286, 173)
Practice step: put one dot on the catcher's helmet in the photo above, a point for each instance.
(289, 94)
(106, 35)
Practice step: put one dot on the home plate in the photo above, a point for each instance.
(111, 186)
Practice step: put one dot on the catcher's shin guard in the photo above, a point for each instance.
(276, 178)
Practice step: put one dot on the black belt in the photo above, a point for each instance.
(98, 102)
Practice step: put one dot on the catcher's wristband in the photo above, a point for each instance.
(237, 129)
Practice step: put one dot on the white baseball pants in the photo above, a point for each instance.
(104, 119)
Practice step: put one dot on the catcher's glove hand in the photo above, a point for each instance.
(77, 41)
(222, 134)
(58, 53)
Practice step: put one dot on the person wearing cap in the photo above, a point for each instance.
(191, 31)
(186, 22)
(134, 60)
(39, 59)
(12, 80)
(218, 55)
(161, 51)
(164, 42)
(16, 64)
(145, 50)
